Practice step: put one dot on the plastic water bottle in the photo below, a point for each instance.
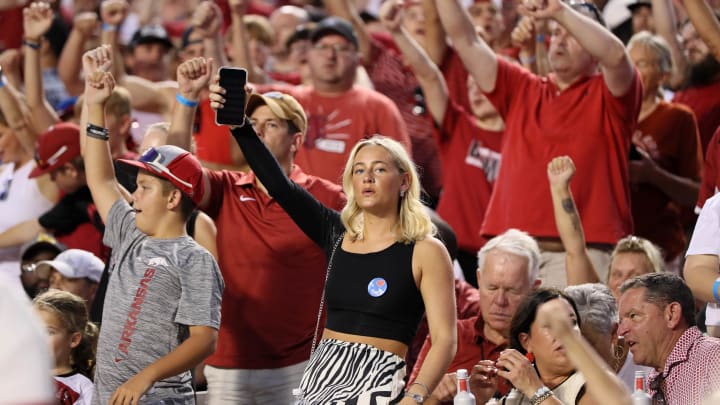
(298, 396)
(463, 396)
(640, 396)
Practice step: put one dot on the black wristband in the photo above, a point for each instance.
(97, 132)
(31, 45)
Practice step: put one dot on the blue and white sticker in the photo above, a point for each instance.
(377, 287)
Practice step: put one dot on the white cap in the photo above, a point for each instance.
(461, 373)
(77, 263)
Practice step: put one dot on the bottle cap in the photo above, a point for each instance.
(461, 373)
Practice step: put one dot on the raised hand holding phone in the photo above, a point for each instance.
(230, 105)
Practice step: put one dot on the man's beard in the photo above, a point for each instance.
(704, 72)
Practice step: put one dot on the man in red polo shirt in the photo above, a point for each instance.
(270, 268)
(575, 111)
(507, 272)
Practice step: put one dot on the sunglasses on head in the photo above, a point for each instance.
(153, 158)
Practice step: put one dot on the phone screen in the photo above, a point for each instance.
(233, 80)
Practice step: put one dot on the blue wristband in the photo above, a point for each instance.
(540, 38)
(187, 103)
(108, 27)
(716, 285)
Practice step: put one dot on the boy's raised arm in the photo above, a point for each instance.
(100, 173)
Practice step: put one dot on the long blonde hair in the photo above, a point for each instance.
(414, 223)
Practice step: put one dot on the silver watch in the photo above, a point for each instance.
(540, 395)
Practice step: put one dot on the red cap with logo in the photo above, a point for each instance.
(175, 165)
(58, 145)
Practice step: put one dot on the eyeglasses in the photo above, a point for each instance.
(154, 159)
(658, 385)
(337, 48)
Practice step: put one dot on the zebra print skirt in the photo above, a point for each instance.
(345, 373)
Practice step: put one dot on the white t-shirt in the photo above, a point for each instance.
(78, 387)
(706, 241)
(20, 200)
(706, 236)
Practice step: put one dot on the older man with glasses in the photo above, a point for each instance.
(586, 108)
(657, 321)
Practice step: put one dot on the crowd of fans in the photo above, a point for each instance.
(525, 189)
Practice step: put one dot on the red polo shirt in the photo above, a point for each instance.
(584, 121)
(271, 270)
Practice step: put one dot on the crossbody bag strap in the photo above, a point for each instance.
(322, 297)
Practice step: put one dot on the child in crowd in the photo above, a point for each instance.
(72, 343)
(162, 307)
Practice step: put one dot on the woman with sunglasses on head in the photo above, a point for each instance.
(385, 270)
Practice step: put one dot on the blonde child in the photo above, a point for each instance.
(72, 342)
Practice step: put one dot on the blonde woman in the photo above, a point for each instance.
(385, 267)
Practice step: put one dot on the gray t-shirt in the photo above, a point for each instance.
(157, 288)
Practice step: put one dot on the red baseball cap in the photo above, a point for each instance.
(175, 165)
(58, 145)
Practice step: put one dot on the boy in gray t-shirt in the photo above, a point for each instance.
(162, 308)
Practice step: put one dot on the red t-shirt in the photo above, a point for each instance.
(670, 136)
(471, 348)
(703, 101)
(391, 78)
(471, 160)
(337, 123)
(584, 121)
(710, 178)
(456, 77)
(274, 274)
(212, 142)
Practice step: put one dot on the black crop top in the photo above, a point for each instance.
(374, 294)
(371, 294)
